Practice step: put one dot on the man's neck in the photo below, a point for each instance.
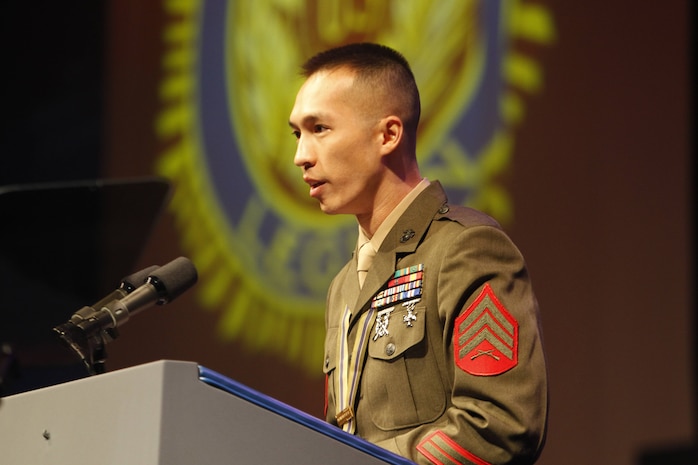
(370, 222)
(381, 211)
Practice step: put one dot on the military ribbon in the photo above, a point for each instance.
(350, 368)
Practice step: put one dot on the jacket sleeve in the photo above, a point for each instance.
(491, 335)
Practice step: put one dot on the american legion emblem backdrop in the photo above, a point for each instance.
(265, 251)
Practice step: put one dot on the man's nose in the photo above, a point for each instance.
(303, 157)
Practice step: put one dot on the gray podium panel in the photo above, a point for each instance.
(169, 413)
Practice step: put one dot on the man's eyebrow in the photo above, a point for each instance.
(306, 120)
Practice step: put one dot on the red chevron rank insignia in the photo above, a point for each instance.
(486, 337)
(439, 449)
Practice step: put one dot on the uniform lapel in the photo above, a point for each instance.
(402, 240)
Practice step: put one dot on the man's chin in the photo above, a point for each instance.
(331, 209)
(327, 210)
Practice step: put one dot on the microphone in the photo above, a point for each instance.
(91, 327)
(161, 286)
(128, 285)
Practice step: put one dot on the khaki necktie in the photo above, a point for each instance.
(366, 254)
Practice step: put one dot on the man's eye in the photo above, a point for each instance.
(319, 128)
(296, 134)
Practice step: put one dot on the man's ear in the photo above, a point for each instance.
(392, 132)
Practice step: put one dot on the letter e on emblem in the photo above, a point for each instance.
(486, 337)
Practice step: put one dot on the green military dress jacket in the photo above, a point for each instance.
(450, 366)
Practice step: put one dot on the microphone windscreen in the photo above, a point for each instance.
(172, 279)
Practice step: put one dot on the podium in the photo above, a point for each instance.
(169, 413)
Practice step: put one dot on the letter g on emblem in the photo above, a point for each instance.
(486, 337)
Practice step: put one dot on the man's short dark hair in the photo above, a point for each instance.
(375, 65)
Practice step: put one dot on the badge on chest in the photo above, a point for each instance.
(401, 296)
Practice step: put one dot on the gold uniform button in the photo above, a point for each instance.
(390, 349)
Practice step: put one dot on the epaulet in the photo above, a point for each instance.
(466, 216)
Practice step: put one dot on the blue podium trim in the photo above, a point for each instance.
(235, 388)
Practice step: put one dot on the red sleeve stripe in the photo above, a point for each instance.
(442, 450)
